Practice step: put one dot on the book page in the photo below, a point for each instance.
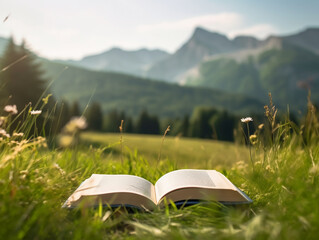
(190, 178)
(101, 184)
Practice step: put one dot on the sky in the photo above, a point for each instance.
(71, 29)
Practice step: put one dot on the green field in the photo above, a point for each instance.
(183, 152)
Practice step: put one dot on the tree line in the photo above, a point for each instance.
(205, 122)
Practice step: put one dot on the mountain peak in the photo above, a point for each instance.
(308, 39)
(115, 49)
(201, 33)
(311, 30)
(199, 30)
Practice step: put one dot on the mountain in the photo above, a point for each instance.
(244, 42)
(133, 94)
(288, 72)
(118, 60)
(205, 45)
(308, 39)
(202, 44)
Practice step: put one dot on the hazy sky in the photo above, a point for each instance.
(74, 28)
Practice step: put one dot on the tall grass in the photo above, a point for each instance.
(35, 181)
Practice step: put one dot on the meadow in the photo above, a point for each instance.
(279, 170)
(183, 152)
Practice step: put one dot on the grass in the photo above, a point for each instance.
(284, 184)
(183, 152)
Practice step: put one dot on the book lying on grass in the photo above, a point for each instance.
(178, 186)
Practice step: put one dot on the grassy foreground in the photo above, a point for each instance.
(282, 178)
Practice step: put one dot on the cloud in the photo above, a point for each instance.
(170, 34)
(218, 22)
(260, 31)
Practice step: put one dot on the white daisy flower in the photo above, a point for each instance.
(18, 134)
(246, 120)
(36, 112)
(79, 122)
(4, 133)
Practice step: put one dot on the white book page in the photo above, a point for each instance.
(188, 178)
(99, 184)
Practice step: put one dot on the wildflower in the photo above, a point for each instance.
(36, 112)
(71, 131)
(65, 141)
(253, 139)
(46, 99)
(79, 122)
(314, 170)
(18, 134)
(75, 124)
(11, 109)
(4, 133)
(55, 165)
(246, 120)
(241, 165)
(41, 141)
(261, 126)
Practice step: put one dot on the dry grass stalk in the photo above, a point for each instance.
(160, 152)
(15, 62)
(121, 138)
(271, 112)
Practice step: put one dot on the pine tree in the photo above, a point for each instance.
(147, 124)
(113, 121)
(223, 126)
(200, 122)
(75, 109)
(95, 117)
(22, 84)
(185, 126)
(21, 76)
(128, 125)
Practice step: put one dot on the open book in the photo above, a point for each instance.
(177, 186)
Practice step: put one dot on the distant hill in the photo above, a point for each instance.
(205, 45)
(119, 60)
(133, 94)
